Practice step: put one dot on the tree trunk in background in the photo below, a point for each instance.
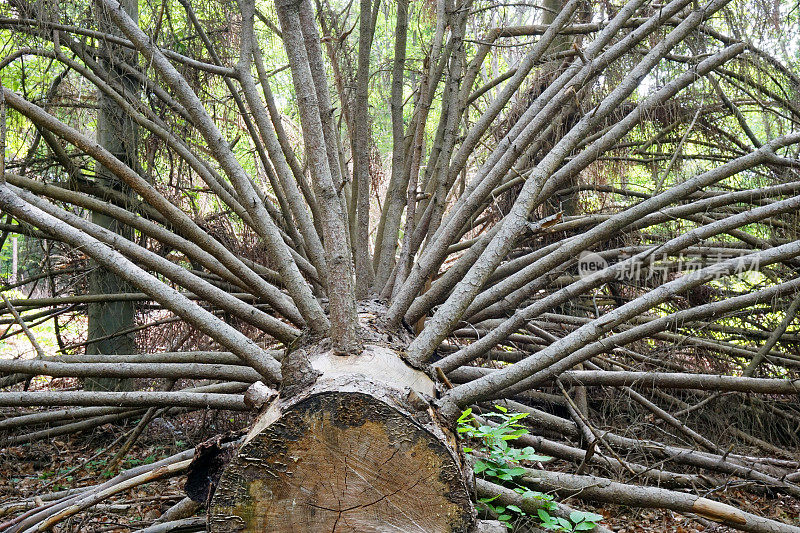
(117, 133)
(351, 444)
(550, 72)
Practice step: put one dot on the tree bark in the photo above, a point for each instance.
(351, 444)
(117, 133)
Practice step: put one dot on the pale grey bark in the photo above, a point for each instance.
(145, 118)
(170, 298)
(521, 71)
(773, 339)
(385, 251)
(505, 496)
(183, 525)
(288, 151)
(148, 193)
(42, 512)
(607, 228)
(340, 277)
(222, 358)
(362, 145)
(563, 350)
(311, 239)
(515, 222)
(284, 219)
(71, 428)
(262, 222)
(165, 267)
(46, 417)
(439, 180)
(139, 223)
(511, 147)
(604, 490)
(497, 291)
(132, 370)
(207, 400)
(387, 232)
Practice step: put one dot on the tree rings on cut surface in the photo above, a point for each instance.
(346, 456)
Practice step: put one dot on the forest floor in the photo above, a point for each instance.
(62, 463)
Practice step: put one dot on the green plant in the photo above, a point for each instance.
(495, 459)
(95, 464)
(133, 461)
(578, 521)
(501, 461)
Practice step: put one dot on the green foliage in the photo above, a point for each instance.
(501, 463)
(96, 464)
(132, 461)
(578, 521)
(29, 255)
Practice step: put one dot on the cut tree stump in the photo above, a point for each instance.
(358, 449)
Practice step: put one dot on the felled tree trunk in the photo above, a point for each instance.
(350, 444)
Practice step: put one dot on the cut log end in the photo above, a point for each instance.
(343, 459)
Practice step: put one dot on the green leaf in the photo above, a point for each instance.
(584, 526)
(514, 508)
(583, 516)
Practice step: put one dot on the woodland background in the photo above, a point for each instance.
(187, 209)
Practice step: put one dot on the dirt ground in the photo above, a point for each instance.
(64, 463)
